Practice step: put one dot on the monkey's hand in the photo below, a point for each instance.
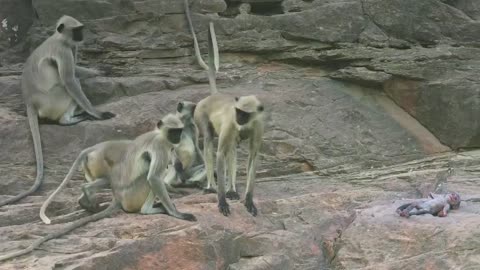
(442, 213)
(404, 214)
(107, 115)
(188, 216)
(223, 206)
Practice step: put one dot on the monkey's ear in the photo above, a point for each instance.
(180, 107)
(236, 98)
(159, 123)
(60, 27)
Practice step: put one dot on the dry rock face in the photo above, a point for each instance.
(365, 100)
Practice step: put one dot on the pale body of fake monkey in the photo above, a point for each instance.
(51, 91)
(436, 204)
(139, 180)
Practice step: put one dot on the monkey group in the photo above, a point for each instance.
(140, 172)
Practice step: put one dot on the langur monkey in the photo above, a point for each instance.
(231, 118)
(51, 91)
(98, 160)
(138, 180)
(188, 164)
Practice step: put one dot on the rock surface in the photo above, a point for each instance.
(365, 100)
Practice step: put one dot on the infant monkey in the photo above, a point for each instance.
(437, 205)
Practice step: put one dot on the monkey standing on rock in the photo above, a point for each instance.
(437, 205)
(51, 90)
(232, 119)
(136, 181)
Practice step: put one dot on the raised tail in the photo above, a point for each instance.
(37, 145)
(213, 56)
(75, 165)
(105, 213)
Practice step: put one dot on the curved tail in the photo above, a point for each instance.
(105, 213)
(213, 56)
(33, 122)
(75, 165)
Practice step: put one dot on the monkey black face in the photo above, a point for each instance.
(242, 117)
(77, 33)
(174, 135)
(180, 107)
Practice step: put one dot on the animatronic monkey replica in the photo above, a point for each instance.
(232, 119)
(437, 205)
(51, 90)
(138, 180)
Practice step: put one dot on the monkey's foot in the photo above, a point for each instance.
(107, 115)
(209, 191)
(250, 205)
(188, 216)
(233, 195)
(223, 206)
(89, 206)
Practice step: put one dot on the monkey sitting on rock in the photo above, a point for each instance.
(51, 90)
(436, 204)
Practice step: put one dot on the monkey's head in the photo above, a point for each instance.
(70, 29)
(247, 110)
(186, 109)
(171, 127)
(454, 200)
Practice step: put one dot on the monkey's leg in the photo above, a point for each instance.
(69, 118)
(160, 191)
(224, 144)
(88, 199)
(232, 193)
(251, 171)
(197, 176)
(418, 212)
(208, 156)
(149, 207)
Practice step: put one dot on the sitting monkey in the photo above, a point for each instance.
(436, 204)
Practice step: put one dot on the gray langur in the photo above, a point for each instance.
(51, 91)
(138, 180)
(97, 162)
(232, 119)
(188, 164)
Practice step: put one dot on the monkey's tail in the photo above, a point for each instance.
(76, 163)
(105, 213)
(37, 145)
(213, 57)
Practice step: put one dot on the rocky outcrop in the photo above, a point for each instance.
(365, 99)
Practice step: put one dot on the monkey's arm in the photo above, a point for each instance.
(444, 211)
(67, 75)
(156, 173)
(83, 72)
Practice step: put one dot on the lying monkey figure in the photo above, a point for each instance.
(436, 204)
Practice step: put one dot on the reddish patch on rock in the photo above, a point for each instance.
(404, 93)
(272, 67)
(180, 252)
